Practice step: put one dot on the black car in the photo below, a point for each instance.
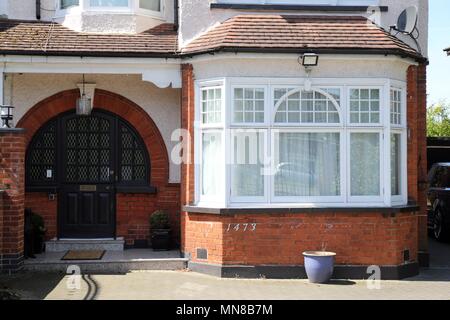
(439, 201)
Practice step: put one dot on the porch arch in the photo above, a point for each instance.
(138, 118)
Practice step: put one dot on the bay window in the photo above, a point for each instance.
(271, 142)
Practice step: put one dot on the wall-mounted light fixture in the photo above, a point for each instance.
(6, 116)
(310, 60)
(84, 103)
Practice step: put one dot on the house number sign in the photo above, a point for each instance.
(251, 227)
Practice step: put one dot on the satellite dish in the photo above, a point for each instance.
(407, 21)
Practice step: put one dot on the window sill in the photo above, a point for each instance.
(278, 7)
(301, 210)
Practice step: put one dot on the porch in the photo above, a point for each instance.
(112, 262)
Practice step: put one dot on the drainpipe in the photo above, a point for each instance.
(176, 15)
(38, 9)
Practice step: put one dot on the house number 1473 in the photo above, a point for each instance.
(241, 226)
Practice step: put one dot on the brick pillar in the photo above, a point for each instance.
(187, 123)
(417, 153)
(12, 180)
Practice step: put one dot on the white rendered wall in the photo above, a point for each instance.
(196, 17)
(285, 66)
(88, 21)
(163, 105)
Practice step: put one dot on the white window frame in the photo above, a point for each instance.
(366, 199)
(266, 106)
(382, 107)
(305, 199)
(248, 199)
(344, 128)
(132, 8)
(199, 128)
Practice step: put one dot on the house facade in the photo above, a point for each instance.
(264, 128)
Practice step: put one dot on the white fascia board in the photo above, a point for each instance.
(329, 57)
(161, 72)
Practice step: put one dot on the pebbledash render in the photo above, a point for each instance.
(204, 109)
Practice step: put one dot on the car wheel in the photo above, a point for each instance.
(439, 231)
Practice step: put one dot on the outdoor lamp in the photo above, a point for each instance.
(6, 116)
(310, 60)
(84, 105)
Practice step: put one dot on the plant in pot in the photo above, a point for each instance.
(160, 230)
(319, 265)
(39, 231)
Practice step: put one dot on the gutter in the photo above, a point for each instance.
(176, 17)
(182, 55)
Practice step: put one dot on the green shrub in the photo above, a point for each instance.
(159, 220)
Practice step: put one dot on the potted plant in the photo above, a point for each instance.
(160, 230)
(319, 265)
(39, 231)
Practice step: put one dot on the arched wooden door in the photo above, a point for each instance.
(87, 159)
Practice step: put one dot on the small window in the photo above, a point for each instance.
(396, 107)
(365, 106)
(109, 3)
(365, 164)
(152, 5)
(299, 106)
(64, 4)
(211, 157)
(396, 164)
(211, 105)
(247, 176)
(248, 105)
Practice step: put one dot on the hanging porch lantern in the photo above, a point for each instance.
(84, 103)
(6, 116)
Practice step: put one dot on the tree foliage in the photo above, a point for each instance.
(438, 120)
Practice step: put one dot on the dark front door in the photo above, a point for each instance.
(87, 191)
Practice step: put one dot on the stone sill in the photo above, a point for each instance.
(301, 210)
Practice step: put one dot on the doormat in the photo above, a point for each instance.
(84, 255)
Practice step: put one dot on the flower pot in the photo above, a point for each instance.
(319, 266)
(160, 239)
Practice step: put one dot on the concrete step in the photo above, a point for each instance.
(63, 245)
(113, 262)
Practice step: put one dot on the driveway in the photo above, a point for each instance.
(432, 283)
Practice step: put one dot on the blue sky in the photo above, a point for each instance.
(439, 69)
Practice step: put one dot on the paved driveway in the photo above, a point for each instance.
(433, 283)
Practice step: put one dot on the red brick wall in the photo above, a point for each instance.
(187, 123)
(417, 150)
(12, 160)
(132, 209)
(362, 238)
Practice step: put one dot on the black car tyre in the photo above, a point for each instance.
(439, 230)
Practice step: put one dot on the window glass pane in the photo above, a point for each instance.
(396, 107)
(306, 107)
(211, 157)
(365, 164)
(68, 3)
(308, 164)
(251, 100)
(212, 105)
(247, 178)
(396, 164)
(153, 5)
(109, 3)
(365, 106)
